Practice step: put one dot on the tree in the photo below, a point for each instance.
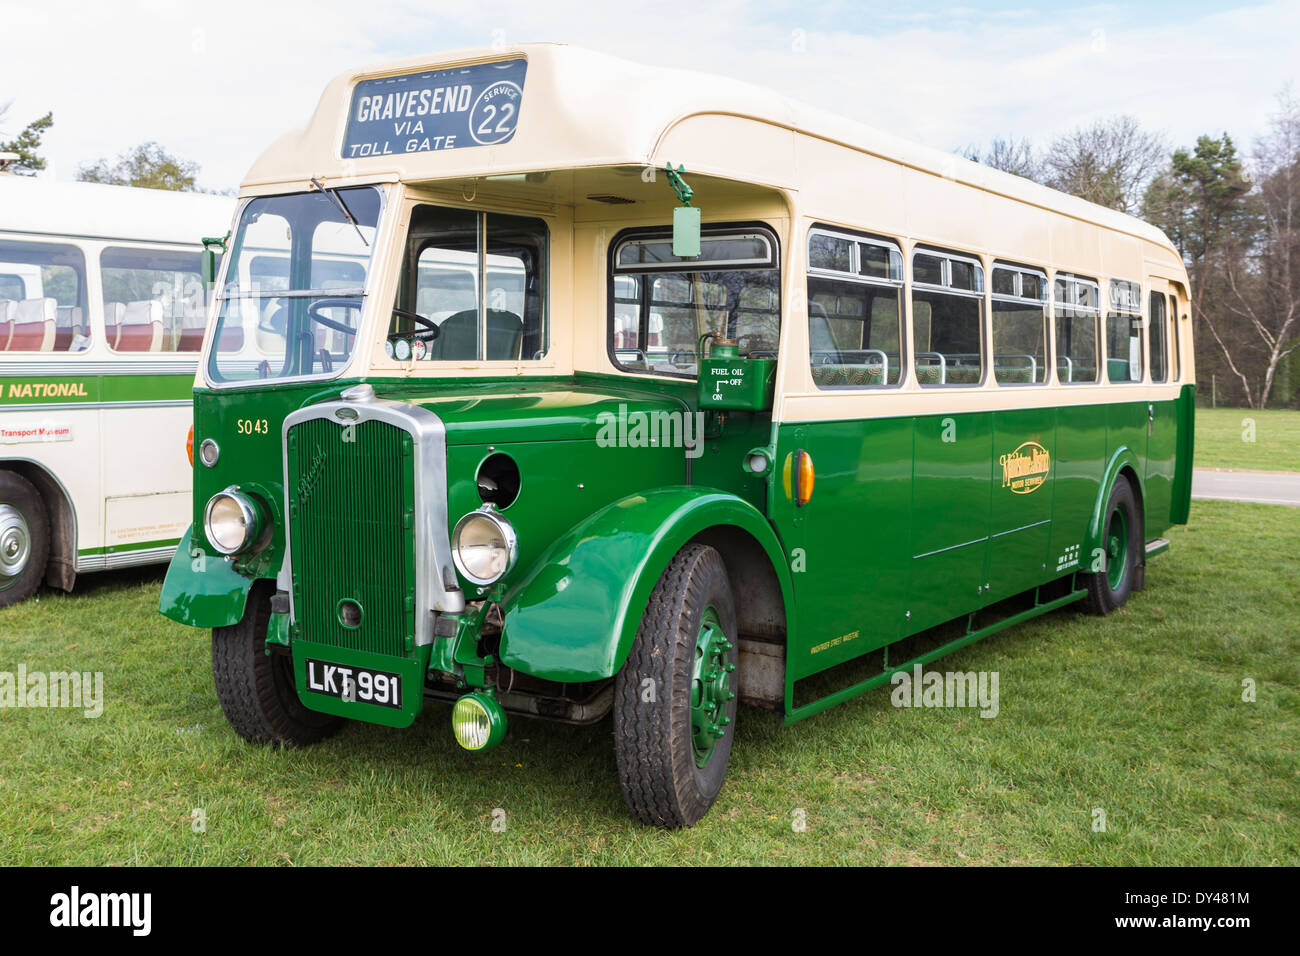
(1010, 155)
(1109, 163)
(27, 143)
(1265, 287)
(147, 165)
(1201, 202)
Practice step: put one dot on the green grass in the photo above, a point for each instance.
(1139, 714)
(1224, 439)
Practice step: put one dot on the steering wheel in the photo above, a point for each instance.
(426, 333)
(347, 302)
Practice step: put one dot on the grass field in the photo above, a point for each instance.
(1223, 439)
(1139, 714)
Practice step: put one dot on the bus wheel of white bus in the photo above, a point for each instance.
(24, 538)
(256, 689)
(675, 698)
(1121, 542)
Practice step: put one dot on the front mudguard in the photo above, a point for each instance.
(574, 616)
(202, 590)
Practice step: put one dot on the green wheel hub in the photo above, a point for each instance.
(1116, 550)
(712, 678)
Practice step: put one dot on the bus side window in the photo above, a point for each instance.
(855, 311)
(1019, 326)
(1077, 336)
(948, 349)
(42, 297)
(662, 304)
(161, 292)
(1159, 367)
(1124, 333)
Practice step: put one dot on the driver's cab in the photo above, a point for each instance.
(449, 256)
(300, 272)
(295, 284)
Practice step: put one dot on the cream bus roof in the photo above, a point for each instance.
(584, 109)
(32, 205)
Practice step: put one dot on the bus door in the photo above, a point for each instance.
(1162, 415)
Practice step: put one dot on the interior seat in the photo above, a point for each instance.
(113, 312)
(458, 336)
(34, 325)
(7, 309)
(141, 328)
(68, 323)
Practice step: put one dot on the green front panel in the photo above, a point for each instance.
(411, 671)
(1162, 447)
(351, 509)
(950, 516)
(1024, 448)
(850, 574)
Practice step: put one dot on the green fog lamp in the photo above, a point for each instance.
(478, 722)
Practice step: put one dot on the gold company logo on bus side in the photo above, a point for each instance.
(1026, 468)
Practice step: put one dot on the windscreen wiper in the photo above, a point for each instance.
(338, 201)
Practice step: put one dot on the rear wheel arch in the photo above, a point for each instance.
(61, 565)
(1123, 462)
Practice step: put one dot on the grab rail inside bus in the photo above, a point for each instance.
(936, 358)
(1000, 363)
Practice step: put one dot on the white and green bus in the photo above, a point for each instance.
(102, 315)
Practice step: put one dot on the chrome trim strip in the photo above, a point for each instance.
(68, 366)
(125, 559)
(951, 547)
(436, 586)
(354, 292)
(74, 406)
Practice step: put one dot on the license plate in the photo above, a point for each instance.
(355, 684)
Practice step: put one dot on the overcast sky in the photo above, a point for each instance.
(216, 82)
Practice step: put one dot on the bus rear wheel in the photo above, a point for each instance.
(24, 538)
(675, 698)
(1116, 566)
(256, 689)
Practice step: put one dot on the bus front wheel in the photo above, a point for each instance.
(1115, 562)
(256, 689)
(24, 538)
(675, 698)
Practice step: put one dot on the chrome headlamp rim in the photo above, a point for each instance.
(256, 530)
(209, 452)
(508, 535)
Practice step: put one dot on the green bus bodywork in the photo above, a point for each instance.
(910, 526)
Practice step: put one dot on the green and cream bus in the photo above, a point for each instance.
(652, 393)
(102, 313)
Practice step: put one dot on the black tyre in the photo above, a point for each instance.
(1115, 567)
(256, 689)
(675, 698)
(24, 538)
